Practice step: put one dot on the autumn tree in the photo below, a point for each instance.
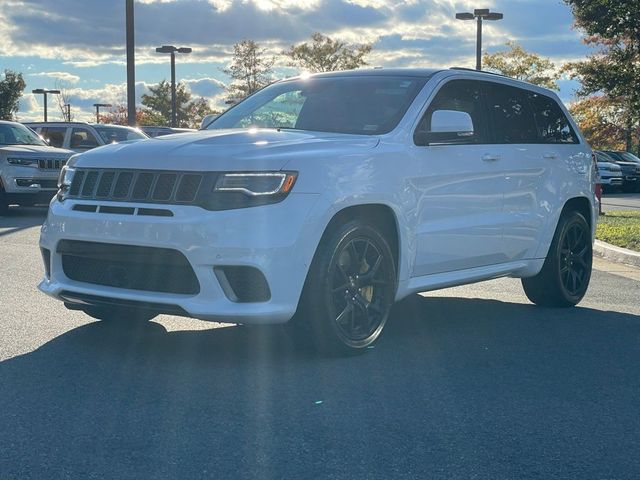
(324, 54)
(614, 69)
(601, 121)
(117, 115)
(516, 62)
(11, 88)
(250, 69)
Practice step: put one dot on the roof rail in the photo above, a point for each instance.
(480, 71)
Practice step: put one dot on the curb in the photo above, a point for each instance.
(616, 254)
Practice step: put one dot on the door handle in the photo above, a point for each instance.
(490, 157)
(550, 155)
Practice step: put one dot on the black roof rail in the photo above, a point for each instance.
(480, 71)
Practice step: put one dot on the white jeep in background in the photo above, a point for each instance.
(81, 136)
(29, 168)
(321, 201)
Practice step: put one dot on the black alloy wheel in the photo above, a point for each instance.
(359, 289)
(575, 258)
(565, 275)
(349, 291)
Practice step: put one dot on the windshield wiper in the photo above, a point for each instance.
(287, 128)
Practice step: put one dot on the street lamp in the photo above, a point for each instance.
(480, 14)
(172, 50)
(44, 92)
(98, 105)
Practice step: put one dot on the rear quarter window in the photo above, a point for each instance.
(553, 125)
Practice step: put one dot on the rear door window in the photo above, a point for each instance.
(513, 119)
(54, 135)
(82, 139)
(553, 125)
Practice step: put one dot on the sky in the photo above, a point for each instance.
(79, 45)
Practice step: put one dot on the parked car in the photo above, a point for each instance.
(611, 177)
(80, 136)
(630, 170)
(156, 131)
(321, 201)
(29, 168)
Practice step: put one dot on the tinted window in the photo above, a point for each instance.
(54, 135)
(82, 139)
(512, 116)
(462, 96)
(367, 105)
(119, 134)
(553, 125)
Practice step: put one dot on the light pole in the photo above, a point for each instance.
(480, 14)
(98, 105)
(44, 92)
(172, 50)
(131, 65)
(67, 107)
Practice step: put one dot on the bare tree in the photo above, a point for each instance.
(64, 98)
(250, 69)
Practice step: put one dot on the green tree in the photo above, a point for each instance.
(324, 54)
(516, 62)
(11, 88)
(614, 69)
(250, 70)
(158, 101)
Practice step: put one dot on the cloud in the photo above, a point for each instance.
(205, 87)
(62, 76)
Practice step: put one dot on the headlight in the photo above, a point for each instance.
(247, 189)
(64, 181)
(23, 162)
(257, 184)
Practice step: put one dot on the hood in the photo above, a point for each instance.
(628, 165)
(35, 151)
(229, 150)
(609, 165)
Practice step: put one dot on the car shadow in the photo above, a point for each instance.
(450, 381)
(21, 218)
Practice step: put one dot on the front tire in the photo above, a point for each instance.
(4, 204)
(350, 289)
(565, 275)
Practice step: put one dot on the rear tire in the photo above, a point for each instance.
(349, 290)
(565, 275)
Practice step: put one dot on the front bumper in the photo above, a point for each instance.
(614, 181)
(278, 240)
(24, 184)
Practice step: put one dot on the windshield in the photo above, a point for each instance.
(119, 134)
(16, 134)
(366, 105)
(630, 157)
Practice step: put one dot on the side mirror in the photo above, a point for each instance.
(447, 126)
(207, 120)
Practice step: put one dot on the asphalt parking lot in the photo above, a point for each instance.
(469, 382)
(621, 201)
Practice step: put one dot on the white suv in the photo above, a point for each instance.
(81, 136)
(321, 201)
(29, 168)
